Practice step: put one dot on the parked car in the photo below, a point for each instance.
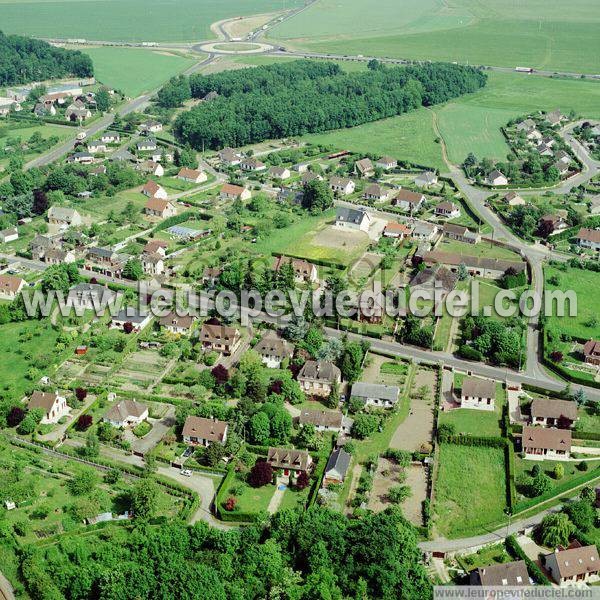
(185, 472)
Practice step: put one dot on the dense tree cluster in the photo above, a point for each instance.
(24, 59)
(301, 97)
(303, 555)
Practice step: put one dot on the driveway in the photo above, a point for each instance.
(158, 431)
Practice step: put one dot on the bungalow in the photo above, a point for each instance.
(161, 156)
(273, 350)
(153, 263)
(309, 176)
(111, 137)
(591, 352)
(538, 443)
(290, 460)
(447, 209)
(9, 235)
(178, 325)
(513, 199)
(375, 394)
(337, 467)
(397, 230)
(230, 157)
(76, 113)
(554, 117)
(100, 170)
(317, 377)
(534, 135)
(552, 224)
(192, 175)
(220, 338)
(563, 156)
(43, 109)
(513, 574)
(364, 167)
(154, 190)
(290, 196)
(156, 207)
(88, 296)
(210, 276)
(82, 158)
(386, 163)
(301, 167)
(342, 185)
(426, 178)
(279, 173)
(54, 407)
(409, 201)
(146, 145)
(588, 238)
(133, 316)
(156, 247)
(353, 218)
(495, 177)
(461, 233)
(252, 164)
(151, 126)
(64, 217)
(554, 413)
(126, 413)
(56, 256)
(10, 286)
(561, 167)
(434, 278)
(573, 565)
(234, 192)
(526, 125)
(478, 393)
(304, 271)
(198, 431)
(322, 420)
(494, 268)
(149, 167)
(425, 231)
(96, 146)
(41, 244)
(376, 192)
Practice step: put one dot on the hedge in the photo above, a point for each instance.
(317, 261)
(473, 440)
(586, 435)
(225, 515)
(517, 552)
(175, 220)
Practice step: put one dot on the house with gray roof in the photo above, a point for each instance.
(478, 393)
(337, 467)
(352, 218)
(63, 217)
(133, 315)
(376, 394)
(317, 377)
(512, 574)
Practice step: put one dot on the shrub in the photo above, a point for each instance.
(302, 480)
(83, 422)
(231, 503)
(80, 394)
(15, 416)
(260, 474)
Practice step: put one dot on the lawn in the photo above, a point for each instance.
(251, 500)
(136, 70)
(128, 20)
(470, 489)
(293, 498)
(144, 428)
(489, 32)
(585, 324)
(408, 137)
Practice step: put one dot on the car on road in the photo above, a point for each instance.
(185, 472)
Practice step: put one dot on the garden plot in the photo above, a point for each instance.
(332, 243)
(365, 266)
(96, 374)
(140, 370)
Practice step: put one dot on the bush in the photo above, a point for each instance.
(83, 422)
(230, 503)
(260, 474)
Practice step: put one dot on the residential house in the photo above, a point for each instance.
(447, 209)
(176, 324)
(337, 467)
(353, 218)
(42, 109)
(434, 278)
(291, 461)
(325, 420)
(426, 179)
(376, 192)
(588, 238)
(317, 377)
(64, 217)
(150, 167)
(199, 431)
(425, 231)
(156, 247)
(101, 255)
(131, 315)
(9, 235)
(210, 276)
(387, 163)
(82, 158)
(375, 394)
(544, 150)
(478, 393)
(253, 165)
(540, 442)
(309, 176)
(279, 173)
(301, 167)
(56, 256)
(563, 157)
(364, 167)
(561, 167)
(230, 157)
(461, 233)
(573, 565)
(495, 177)
(554, 413)
(527, 125)
(342, 185)
(290, 196)
(41, 244)
(409, 201)
(126, 413)
(534, 136)
(53, 406)
(304, 271)
(220, 338)
(192, 175)
(151, 126)
(10, 286)
(99, 170)
(111, 137)
(157, 207)
(88, 296)
(153, 263)
(146, 145)
(513, 574)
(554, 117)
(397, 230)
(77, 113)
(96, 146)
(161, 156)
(273, 350)
(154, 190)
(478, 266)
(513, 199)
(234, 192)
(552, 224)
(591, 352)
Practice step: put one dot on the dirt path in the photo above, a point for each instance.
(438, 133)
(276, 500)
(356, 471)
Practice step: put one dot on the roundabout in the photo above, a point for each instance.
(226, 47)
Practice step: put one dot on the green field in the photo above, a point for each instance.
(491, 32)
(407, 137)
(127, 20)
(134, 70)
(470, 489)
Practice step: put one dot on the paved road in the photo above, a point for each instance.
(6, 589)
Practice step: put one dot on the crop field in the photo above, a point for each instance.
(490, 32)
(127, 20)
(135, 70)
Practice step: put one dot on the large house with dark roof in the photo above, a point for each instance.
(220, 338)
(317, 377)
(198, 431)
(574, 565)
(352, 218)
(512, 574)
(290, 460)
